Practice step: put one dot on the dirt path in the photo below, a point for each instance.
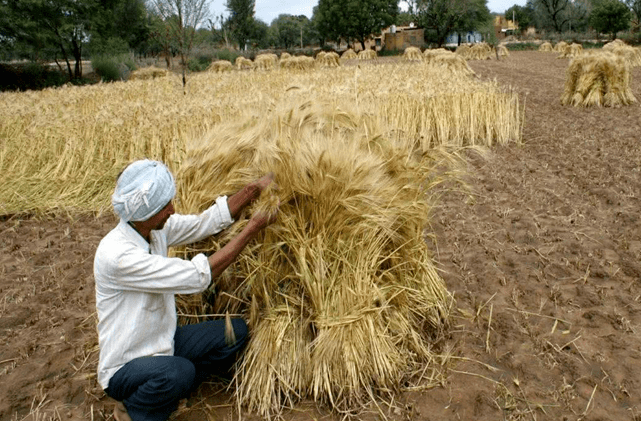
(543, 259)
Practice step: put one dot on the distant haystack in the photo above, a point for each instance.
(546, 47)
(297, 63)
(349, 55)
(454, 63)
(560, 47)
(147, 73)
(463, 50)
(601, 79)
(412, 54)
(328, 59)
(243, 63)
(631, 54)
(285, 55)
(266, 61)
(571, 51)
(367, 54)
(502, 51)
(613, 44)
(220, 66)
(430, 55)
(480, 51)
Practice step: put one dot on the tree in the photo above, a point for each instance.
(182, 18)
(354, 19)
(522, 15)
(442, 17)
(289, 31)
(241, 20)
(558, 15)
(120, 22)
(260, 34)
(635, 7)
(610, 16)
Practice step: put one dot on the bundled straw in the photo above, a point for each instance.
(560, 47)
(367, 54)
(266, 61)
(219, 66)
(328, 59)
(502, 51)
(631, 55)
(454, 63)
(598, 79)
(480, 51)
(348, 295)
(546, 47)
(243, 63)
(412, 54)
(147, 73)
(285, 55)
(297, 63)
(349, 55)
(571, 51)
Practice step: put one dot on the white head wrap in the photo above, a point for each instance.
(142, 190)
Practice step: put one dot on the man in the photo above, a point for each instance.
(147, 363)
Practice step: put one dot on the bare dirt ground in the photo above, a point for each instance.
(543, 259)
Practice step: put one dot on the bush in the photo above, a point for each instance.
(226, 54)
(523, 46)
(113, 68)
(31, 75)
(200, 62)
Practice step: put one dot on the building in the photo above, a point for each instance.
(400, 37)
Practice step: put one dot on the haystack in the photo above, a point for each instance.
(463, 50)
(598, 79)
(328, 59)
(631, 54)
(297, 63)
(344, 295)
(571, 51)
(220, 66)
(502, 51)
(349, 55)
(546, 47)
(480, 51)
(367, 54)
(454, 63)
(560, 47)
(243, 63)
(147, 73)
(266, 61)
(412, 54)
(285, 55)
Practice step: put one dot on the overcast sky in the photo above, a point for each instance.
(268, 10)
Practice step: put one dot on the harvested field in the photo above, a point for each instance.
(541, 254)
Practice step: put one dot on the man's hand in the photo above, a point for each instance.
(260, 184)
(249, 193)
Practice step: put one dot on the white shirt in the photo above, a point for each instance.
(136, 283)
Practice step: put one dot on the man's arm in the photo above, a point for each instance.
(220, 260)
(248, 194)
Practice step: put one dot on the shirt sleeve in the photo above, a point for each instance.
(133, 269)
(185, 229)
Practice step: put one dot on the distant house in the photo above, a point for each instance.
(400, 37)
(470, 37)
(504, 27)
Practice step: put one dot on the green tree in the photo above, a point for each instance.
(181, 19)
(290, 31)
(241, 20)
(635, 7)
(354, 19)
(610, 16)
(120, 23)
(522, 15)
(260, 34)
(560, 15)
(441, 18)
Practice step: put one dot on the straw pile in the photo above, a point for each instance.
(502, 51)
(453, 63)
(344, 294)
(546, 47)
(328, 59)
(412, 54)
(349, 55)
(285, 55)
(560, 47)
(220, 66)
(243, 63)
(297, 63)
(480, 51)
(429, 54)
(266, 61)
(367, 54)
(631, 55)
(463, 50)
(571, 51)
(147, 73)
(598, 79)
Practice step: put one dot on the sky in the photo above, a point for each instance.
(268, 10)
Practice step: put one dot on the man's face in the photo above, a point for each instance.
(162, 216)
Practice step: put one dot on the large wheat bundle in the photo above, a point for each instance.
(367, 54)
(502, 51)
(454, 63)
(463, 50)
(297, 63)
(571, 51)
(220, 66)
(412, 54)
(349, 55)
(147, 73)
(546, 47)
(598, 79)
(613, 44)
(480, 51)
(631, 55)
(342, 292)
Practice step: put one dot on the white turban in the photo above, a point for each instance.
(142, 190)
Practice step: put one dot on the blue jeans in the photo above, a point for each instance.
(150, 387)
